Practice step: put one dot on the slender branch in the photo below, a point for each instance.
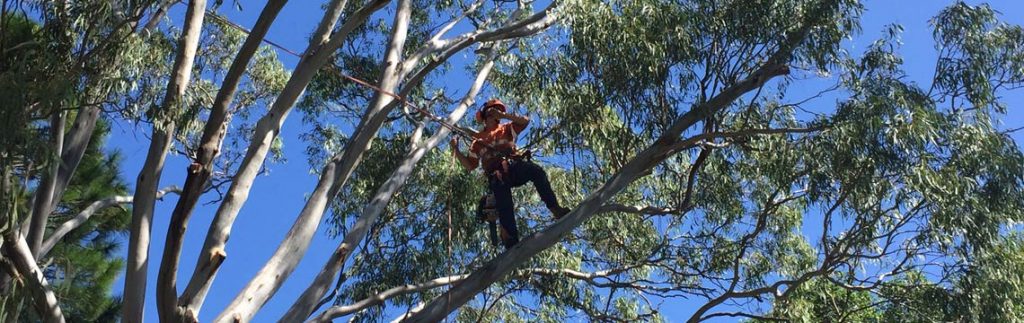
(698, 139)
(58, 234)
(638, 209)
(338, 311)
(379, 298)
(746, 315)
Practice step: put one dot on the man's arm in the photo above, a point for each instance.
(518, 121)
(467, 162)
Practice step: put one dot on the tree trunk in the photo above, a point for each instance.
(149, 176)
(43, 298)
(305, 304)
(44, 193)
(438, 308)
(296, 242)
(199, 172)
(267, 128)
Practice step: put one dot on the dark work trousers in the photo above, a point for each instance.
(519, 173)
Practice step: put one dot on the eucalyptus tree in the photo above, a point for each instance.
(694, 155)
(72, 61)
(671, 110)
(166, 77)
(697, 172)
(54, 69)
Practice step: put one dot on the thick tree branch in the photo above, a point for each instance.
(267, 128)
(149, 176)
(455, 297)
(158, 15)
(267, 281)
(73, 149)
(305, 304)
(45, 301)
(40, 214)
(198, 174)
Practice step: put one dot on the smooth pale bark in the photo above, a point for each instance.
(141, 227)
(44, 193)
(80, 218)
(198, 174)
(338, 311)
(438, 308)
(266, 282)
(158, 15)
(149, 176)
(373, 119)
(73, 149)
(306, 304)
(267, 128)
(44, 301)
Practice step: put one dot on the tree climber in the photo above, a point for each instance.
(494, 148)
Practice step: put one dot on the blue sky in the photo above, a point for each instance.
(275, 200)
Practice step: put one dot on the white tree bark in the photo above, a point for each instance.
(338, 311)
(149, 176)
(199, 172)
(441, 306)
(43, 298)
(44, 192)
(58, 234)
(73, 149)
(305, 304)
(322, 46)
(255, 294)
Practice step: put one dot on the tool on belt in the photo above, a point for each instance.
(487, 211)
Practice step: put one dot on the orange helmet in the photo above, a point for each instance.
(492, 103)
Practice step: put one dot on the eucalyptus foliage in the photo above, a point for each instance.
(902, 181)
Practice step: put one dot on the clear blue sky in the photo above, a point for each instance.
(275, 200)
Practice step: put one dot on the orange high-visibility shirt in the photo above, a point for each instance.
(503, 140)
